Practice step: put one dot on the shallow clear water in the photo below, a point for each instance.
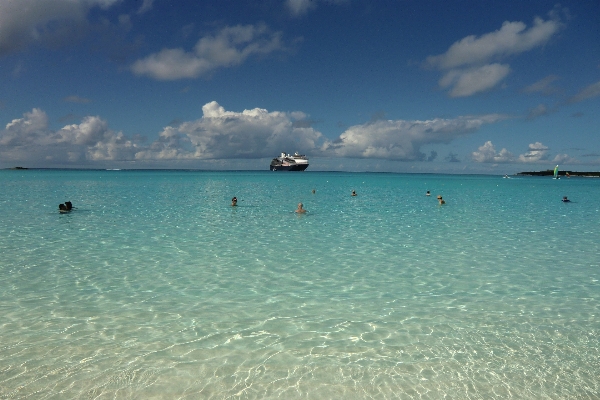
(155, 287)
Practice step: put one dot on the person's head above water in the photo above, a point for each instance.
(234, 201)
(300, 208)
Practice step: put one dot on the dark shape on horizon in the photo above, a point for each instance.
(550, 172)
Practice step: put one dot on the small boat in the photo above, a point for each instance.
(556, 173)
(287, 162)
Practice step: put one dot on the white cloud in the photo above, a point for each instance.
(564, 159)
(401, 140)
(589, 92)
(30, 129)
(225, 135)
(23, 22)
(512, 38)
(230, 46)
(470, 81)
(30, 139)
(537, 152)
(487, 154)
(469, 62)
(219, 134)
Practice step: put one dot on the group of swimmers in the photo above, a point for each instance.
(302, 210)
(68, 206)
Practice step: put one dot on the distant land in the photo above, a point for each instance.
(550, 172)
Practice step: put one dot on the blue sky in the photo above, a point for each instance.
(398, 86)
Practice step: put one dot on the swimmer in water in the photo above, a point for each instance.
(428, 194)
(354, 193)
(66, 207)
(300, 209)
(565, 200)
(234, 201)
(440, 200)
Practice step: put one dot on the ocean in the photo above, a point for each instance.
(154, 287)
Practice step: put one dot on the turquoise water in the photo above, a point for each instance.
(156, 288)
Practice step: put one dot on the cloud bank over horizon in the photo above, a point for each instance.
(251, 134)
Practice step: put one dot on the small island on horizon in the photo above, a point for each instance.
(550, 172)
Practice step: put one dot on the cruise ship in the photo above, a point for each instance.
(288, 162)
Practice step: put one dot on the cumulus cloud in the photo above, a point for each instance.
(469, 62)
(229, 47)
(400, 139)
(589, 92)
(219, 134)
(23, 22)
(488, 154)
(30, 139)
(537, 152)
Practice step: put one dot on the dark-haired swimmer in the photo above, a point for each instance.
(63, 209)
(354, 193)
(300, 209)
(234, 201)
(69, 205)
(565, 200)
(441, 201)
(428, 194)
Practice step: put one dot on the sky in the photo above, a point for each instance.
(469, 86)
